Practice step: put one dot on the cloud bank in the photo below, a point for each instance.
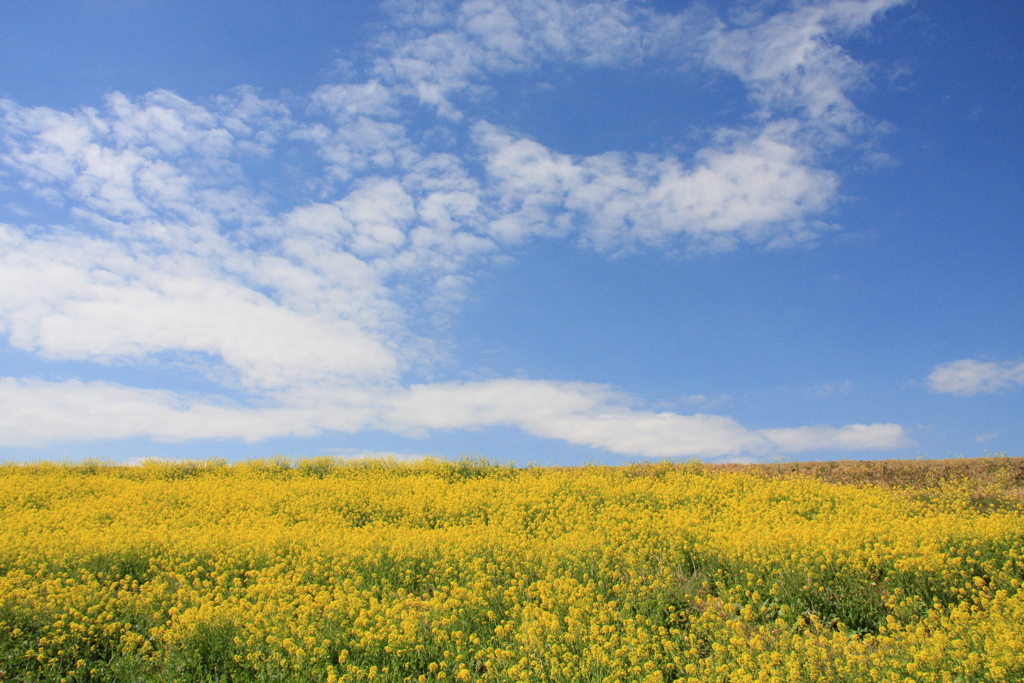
(297, 254)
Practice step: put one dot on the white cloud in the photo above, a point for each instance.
(364, 136)
(34, 412)
(759, 183)
(303, 290)
(159, 153)
(968, 377)
(450, 48)
(850, 437)
(757, 189)
(74, 297)
(154, 265)
(791, 65)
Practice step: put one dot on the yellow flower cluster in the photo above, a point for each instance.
(433, 571)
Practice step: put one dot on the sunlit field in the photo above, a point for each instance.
(320, 570)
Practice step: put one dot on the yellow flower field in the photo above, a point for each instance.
(376, 570)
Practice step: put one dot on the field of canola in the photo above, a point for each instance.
(377, 570)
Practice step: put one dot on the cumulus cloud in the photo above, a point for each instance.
(751, 187)
(162, 229)
(968, 377)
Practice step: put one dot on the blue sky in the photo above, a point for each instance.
(558, 232)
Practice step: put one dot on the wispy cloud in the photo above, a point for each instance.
(444, 49)
(826, 389)
(705, 402)
(312, 293)
(968, 377)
